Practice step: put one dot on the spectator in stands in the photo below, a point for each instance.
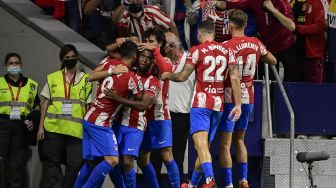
(275, 24)
(18, 100)
(331, 66)
(133, 16)
(63, 10)
(97, 21)
(66, 96)
(310, 39)
(179, 102)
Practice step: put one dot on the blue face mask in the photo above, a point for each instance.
(14, 70)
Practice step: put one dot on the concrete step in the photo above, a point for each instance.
(280, 147)
(280, 166)
(302, 181)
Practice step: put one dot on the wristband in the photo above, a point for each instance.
(110, 71)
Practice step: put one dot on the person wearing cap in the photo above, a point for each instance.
(18, 99)
(66, 97)
(133, 16)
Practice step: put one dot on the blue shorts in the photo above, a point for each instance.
(129, 140)
(204, 119)
(98, 141)
(227, 125)
(158, 135)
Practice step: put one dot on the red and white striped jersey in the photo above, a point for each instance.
(152, 17)
(134, 118)
(211, 61)
(103, 110)
(247, 51)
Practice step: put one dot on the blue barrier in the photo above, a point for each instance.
(314, 108)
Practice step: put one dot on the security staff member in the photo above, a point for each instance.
(18, 98)
(66, 95)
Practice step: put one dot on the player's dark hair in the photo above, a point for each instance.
(238, 18)
(128, 49)
(12, 54)
(159, 36)
(207, 26)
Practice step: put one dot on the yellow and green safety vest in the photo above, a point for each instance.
(25, 99)
(60, 123)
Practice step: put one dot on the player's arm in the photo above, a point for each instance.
(112, 49)
(145, 103)
(235, 84)
(269, 59)
(180, 76)
(101, 73)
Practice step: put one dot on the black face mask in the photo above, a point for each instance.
(135, 8)
(70, 63)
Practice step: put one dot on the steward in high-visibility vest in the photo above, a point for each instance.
(67, 94)
(19, 119)
(67, 109)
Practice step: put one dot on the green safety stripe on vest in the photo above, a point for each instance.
(73, 101)
(64, 117)
(16, 103)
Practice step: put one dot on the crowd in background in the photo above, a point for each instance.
(300, 37)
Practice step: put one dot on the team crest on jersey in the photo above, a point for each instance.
(32, 87)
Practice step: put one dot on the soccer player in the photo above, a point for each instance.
(133, 121)
(159, 133)
(247, 51)
(99, 140)
(212, 61)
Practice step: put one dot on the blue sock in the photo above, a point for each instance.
(98, 174)
(117, 177)
(173, 174)
(83, 175)
(207, 170)
(150, 175)
(130, 179)
(196, 178)
(243, 170)
(227, 175)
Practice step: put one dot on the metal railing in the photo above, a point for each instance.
(291, 113)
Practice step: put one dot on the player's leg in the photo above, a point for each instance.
(147, 168)
(238, 141)
(204, 124)
(131, 145)
(116, 174)
(225, 129)
(144, 159)
(162, 140)
(195, 177)
(103, 143)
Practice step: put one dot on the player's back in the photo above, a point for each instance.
(103, 109)
(211, 60)
(247, 51)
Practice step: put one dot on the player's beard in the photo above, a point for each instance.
(144, 70)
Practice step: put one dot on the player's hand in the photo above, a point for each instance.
(148, 46)
(166, 75)
(110, 93)
(40, 133)
(269, 5)
(119, 69)
(120, 41)
(29, 125)
(219, 4)
(235, 113)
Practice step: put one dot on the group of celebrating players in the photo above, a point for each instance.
(130, 117)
